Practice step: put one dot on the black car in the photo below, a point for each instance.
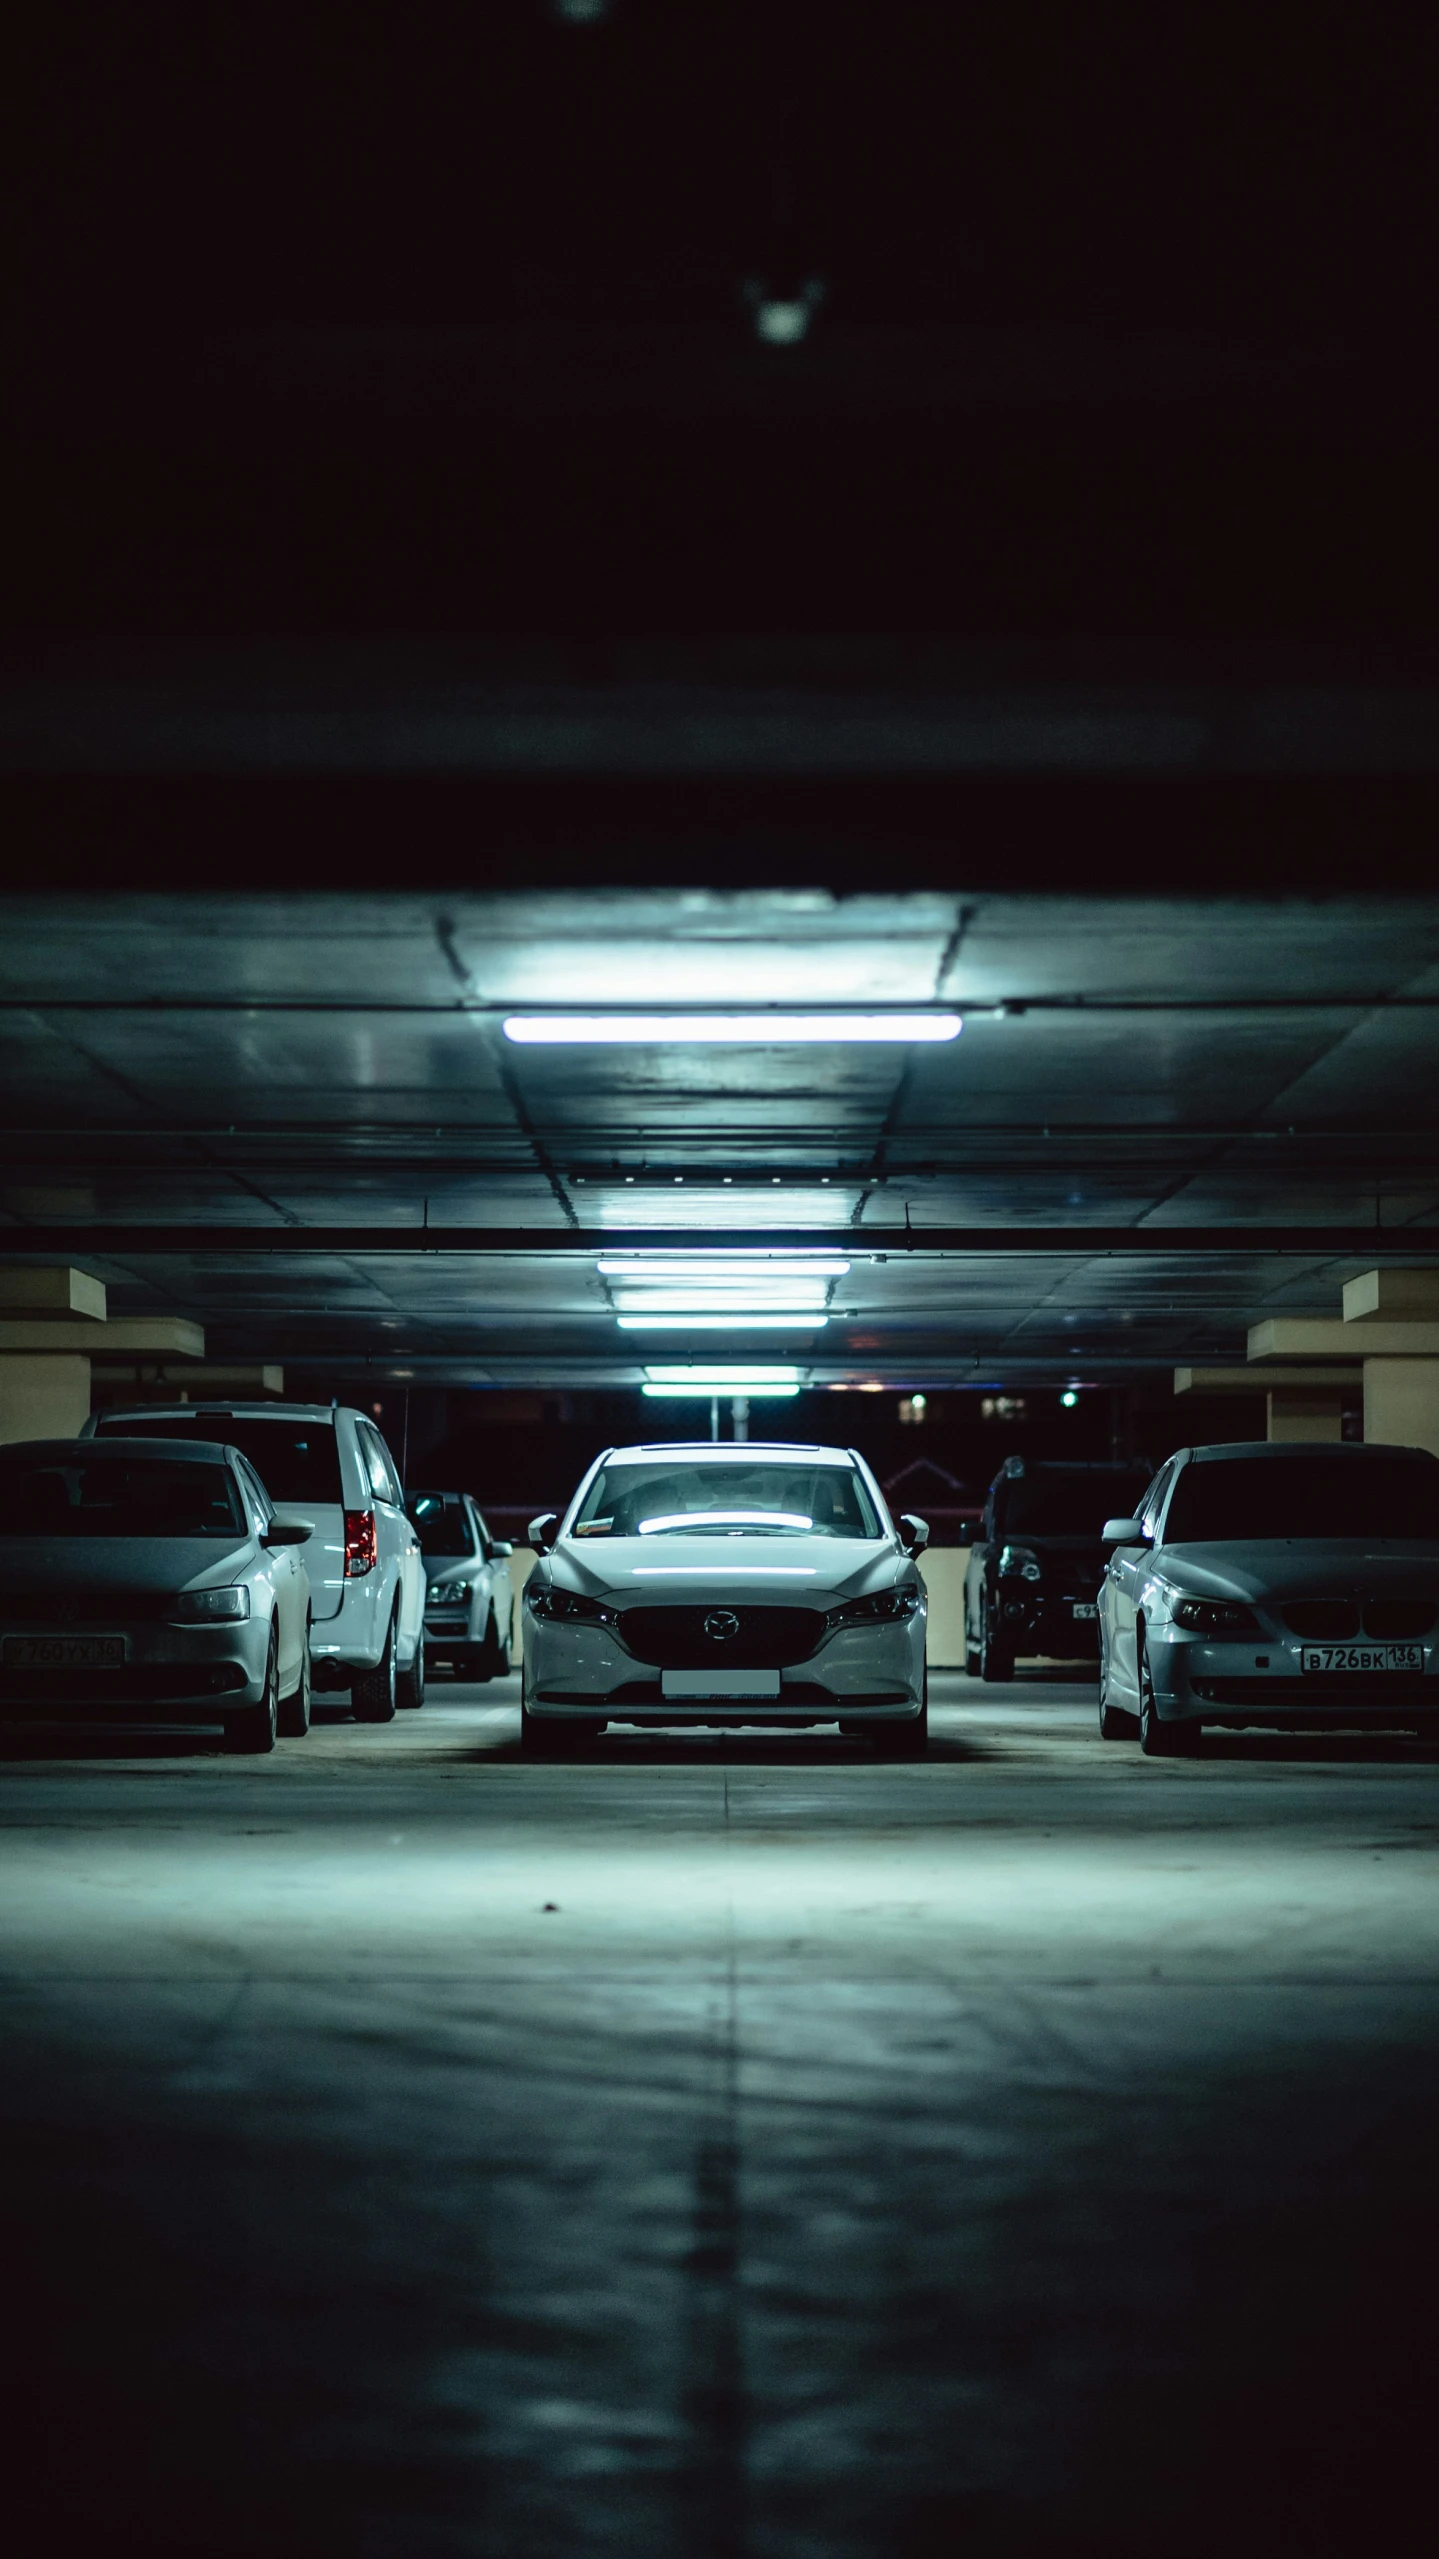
(1034, 1571)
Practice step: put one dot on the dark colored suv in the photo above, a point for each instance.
(1033, 1580)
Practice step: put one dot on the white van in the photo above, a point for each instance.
(366, 1574)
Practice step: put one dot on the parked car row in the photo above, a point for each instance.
(225, 1562)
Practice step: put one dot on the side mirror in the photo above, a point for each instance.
(913, 1533)
(966, 1532)
(288, 1532)
(543, 1531)
(500, 1549)
(1124, 1532)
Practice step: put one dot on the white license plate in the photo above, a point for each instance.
(1084, 1608)
(1362, 1657)
(64, 1652)
(719, 1683)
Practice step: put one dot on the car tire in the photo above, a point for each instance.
(996, 1661)
(904, 1741)
(1116, 1724)
(971, 1650)
(374, 1693)
(495, 1651)
(410, 1684)
(294, 1716)
(252, 1730)
(539, 1739)
(1157, 1739)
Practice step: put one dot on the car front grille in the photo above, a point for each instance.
(760, 1638)
(138, 1685)
(1327, 1690)
(1333, 1621)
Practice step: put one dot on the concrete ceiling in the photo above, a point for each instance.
(280, 1066)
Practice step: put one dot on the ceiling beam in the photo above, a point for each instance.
(1079, 1242)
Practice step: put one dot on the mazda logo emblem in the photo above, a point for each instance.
(721, 1624)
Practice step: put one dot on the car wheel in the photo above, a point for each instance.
(996, 1661)
(904, 1741)
(1116, 1724)
(410, 1684)
(496, 1652)
(539, 1739)
(1157, 1739)
(373, 1693)
(295, 1709)
(254, 1729)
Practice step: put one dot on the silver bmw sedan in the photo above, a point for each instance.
(695, 1583)
(1273, 1583)
(140, 1583)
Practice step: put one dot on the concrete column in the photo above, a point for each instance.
(43, 1394)
(1307, 1412)
(1401, 1402)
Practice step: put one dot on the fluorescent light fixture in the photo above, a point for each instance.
(758, 1028)
(733, 1374)
(735, 1323)
(715, 1301)
(725, 1519)
(702, 1394)
(748, 1271)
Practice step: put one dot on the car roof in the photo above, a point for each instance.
(798, 1452)
(185, 1452)
(241, 1412)
(1346, 1448)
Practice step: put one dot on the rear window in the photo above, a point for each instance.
(441, 1522)
(295, 1461)
(1062, 1501)
(1390, 1494)
(118, 1497)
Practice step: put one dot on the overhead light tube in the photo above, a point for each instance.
(756, 1027)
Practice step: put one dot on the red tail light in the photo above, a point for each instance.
(361, 1552)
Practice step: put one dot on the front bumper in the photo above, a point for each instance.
(1261, 1683)
(1049, 1624)
(170, 1674)
(865, 1673)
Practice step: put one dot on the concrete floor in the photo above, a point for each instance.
(726, 2147)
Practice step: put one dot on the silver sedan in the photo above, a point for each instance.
(1276, 1584)
(160, 1586)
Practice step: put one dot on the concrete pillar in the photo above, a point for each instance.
(1401, 1402)
(43, 1394)
(1307, 1412)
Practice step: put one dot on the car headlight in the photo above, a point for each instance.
(202, 1607)
(1215, 1617)
(886, 1606)
(545, 1601)
(447, 1594)
(1019, 1560)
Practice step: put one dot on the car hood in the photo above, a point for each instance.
(451, 1568)
(1300, 1567)
(780, 1571)
(34, 1570)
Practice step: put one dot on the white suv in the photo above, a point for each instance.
(366, 1573)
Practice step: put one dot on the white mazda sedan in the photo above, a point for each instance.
(722, 1584)
(1274, 1583)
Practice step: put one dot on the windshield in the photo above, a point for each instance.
(1068, 1501)
(118, 1497)
(1391, 1494)
(691, 1499)
(295, 1461)
(443, 1525)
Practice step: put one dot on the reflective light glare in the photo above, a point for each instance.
(727, 1572)
(793, 1322)
(725, 1519)
(533, 1030)
(733, 1374)
(754, 1269)
(1069, 1398)
(773, 1394)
